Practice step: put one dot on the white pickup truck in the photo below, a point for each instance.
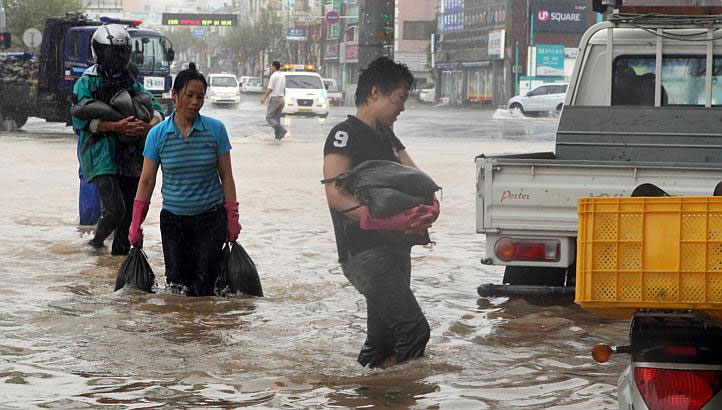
(644, 106)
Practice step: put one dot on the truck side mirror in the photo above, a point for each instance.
(171, 54)
(137, 55)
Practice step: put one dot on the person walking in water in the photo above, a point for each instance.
(200, 210)
(110, 151)
(277, 90)
(380, 269)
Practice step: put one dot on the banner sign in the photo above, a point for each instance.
(496, 44)
(189, 19)
(550, 59)
(554, 16)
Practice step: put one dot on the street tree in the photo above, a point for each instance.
(254, 40)
(24, 14)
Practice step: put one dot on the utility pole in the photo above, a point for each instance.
(376, 30)
(2, 17)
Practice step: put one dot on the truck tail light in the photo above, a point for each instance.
(677, 389)
(540, 250)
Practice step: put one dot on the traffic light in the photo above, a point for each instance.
(386, 34)
(5, 40)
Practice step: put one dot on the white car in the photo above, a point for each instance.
(252, 85)
(223, 89)
(427, 94)
(305, 94)
(546, 98)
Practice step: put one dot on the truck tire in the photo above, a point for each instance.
(534, 276)
(20, 118)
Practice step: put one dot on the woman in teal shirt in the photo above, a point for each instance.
(200, 210)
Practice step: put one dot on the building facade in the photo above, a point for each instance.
(414, 25)
(489, 50)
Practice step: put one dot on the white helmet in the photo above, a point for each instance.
(111, 47)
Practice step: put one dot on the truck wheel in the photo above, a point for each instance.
(19, 118)
(534, 276)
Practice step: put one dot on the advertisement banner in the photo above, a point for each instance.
(550, 59)
(496, 44)
(554, 16)
(187, 19)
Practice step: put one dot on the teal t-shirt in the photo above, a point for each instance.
(191, 183)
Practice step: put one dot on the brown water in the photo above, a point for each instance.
(68, 341)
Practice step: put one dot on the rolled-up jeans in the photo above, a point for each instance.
(395, 324)
(192, 249)
(273, 116)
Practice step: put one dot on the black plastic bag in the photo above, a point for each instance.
(135, 272)
(387, 187)
(238, 272)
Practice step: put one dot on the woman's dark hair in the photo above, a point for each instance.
(385, 74)
(187, 75)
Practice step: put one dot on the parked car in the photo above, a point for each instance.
(546, 98)
(333, 91)
(252, 85)
(223, 89)
(305, 94)
(427, 93)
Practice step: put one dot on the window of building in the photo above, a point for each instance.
(418, 30)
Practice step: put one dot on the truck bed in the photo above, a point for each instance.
(537, 193)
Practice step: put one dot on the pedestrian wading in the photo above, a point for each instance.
(200, 211)
(375, 226)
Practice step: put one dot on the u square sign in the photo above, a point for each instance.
(555, 16)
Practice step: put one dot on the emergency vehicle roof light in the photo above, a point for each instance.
(112, 20)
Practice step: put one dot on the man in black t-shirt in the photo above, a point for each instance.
(380, 269)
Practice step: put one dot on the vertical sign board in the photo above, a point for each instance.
(550, 59)
(496, 44)
(335, 29)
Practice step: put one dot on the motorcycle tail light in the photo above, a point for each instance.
(674, 389)
(508, 249)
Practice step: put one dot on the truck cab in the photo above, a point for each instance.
(65, 54)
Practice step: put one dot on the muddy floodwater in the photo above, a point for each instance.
(67, 341)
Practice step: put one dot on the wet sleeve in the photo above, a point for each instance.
(224, 144)
(81, 91)
(340, 140)
(151, 150)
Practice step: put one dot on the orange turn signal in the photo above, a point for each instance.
(601, 353)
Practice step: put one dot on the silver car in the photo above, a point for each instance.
(546, 98)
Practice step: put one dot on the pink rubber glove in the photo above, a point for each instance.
(135, 232)
(425, 215)
(399, 222)
(233, 227)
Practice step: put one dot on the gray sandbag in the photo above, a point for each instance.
(387, 187)
(385, 202)
(89, 109)
(387, 174)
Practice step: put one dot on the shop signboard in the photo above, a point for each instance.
(555, 16)
(296, 34)
(496, 44)
(188, 19)
(550, 59)
(335, 29)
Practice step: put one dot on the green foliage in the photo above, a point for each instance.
(24, 14)
(263, 34)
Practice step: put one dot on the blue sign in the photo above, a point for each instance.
(550, 59)
(296, 34)
(198, 32)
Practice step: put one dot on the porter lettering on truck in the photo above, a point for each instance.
(511, 195)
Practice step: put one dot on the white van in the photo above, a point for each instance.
(305, 94)
(223, 89)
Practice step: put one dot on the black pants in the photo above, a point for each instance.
(192, 249)
(116, 193)
(395, 323)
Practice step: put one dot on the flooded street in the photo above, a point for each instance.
(67, 341)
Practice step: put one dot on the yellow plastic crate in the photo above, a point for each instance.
(649, 253)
